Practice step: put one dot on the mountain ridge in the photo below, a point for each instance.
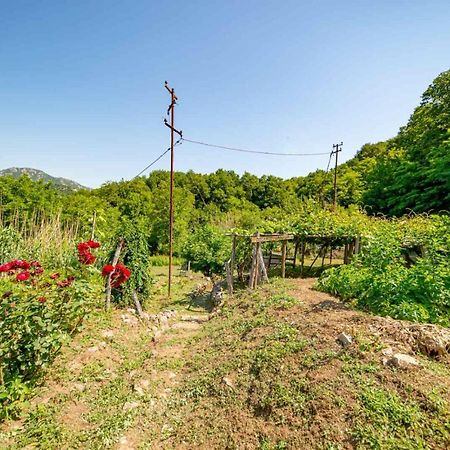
(61, 183)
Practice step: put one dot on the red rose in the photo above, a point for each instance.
(23, 276)
(107, 270)
(6, 267)
(84, 254)
(82, 247)
(42, 299)
(20, 264)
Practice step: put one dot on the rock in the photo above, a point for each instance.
(128, 406)
(107, 334)
(433, 342)
(164, 323)
(387, 351)
(126, 318)
(141, 386)
(92, 349)
(228, 382)
(80, 387)
(156, 336)
(139, 391)
(345, 339)
(402, 361)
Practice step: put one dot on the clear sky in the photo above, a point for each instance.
(82, 96)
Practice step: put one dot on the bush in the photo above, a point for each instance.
(208, 249)
(38, 313)
(381, 280)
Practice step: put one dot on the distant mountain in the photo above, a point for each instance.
(62, 184)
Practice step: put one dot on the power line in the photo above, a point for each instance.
(156, 160)
(152, 163)
(329, 160)
(251, 151)
(182, 139)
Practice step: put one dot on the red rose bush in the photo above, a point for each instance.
(39, 311)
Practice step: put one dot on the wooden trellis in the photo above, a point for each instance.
(258, 269)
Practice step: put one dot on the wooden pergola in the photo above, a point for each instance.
(258, 270)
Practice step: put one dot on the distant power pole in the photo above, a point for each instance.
(336, 149)
(170, 111)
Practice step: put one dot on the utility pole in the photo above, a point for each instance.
(336, 149)
(170, 111)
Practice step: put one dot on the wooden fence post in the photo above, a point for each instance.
(229, 277)
(252, 269)
(283, 259)
(257, 265)
(137, 303)
(295, 254)
(108, 280)
(302, 261)
(264, 276)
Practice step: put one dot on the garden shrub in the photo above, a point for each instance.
(208, 249)
(39, 311)
(381, 281)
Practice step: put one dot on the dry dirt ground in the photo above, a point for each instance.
(267, 372)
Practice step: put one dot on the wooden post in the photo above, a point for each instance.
(252, 269)
(229, 277)
(346, 253)
(137, 303)
(94, 218)
(108, 280)
(233, 254)
(302, 261)
(295, 254)
(357, 245)
(324, 253)
(263, 270)
(283, 259)
(351, 249)
(257, 265)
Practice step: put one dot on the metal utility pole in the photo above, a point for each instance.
(170, 111)
(336, 149)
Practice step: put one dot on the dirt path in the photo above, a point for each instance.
(165, 372)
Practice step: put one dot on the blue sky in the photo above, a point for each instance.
(82, 96)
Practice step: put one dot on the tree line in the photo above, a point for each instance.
(410, 172)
